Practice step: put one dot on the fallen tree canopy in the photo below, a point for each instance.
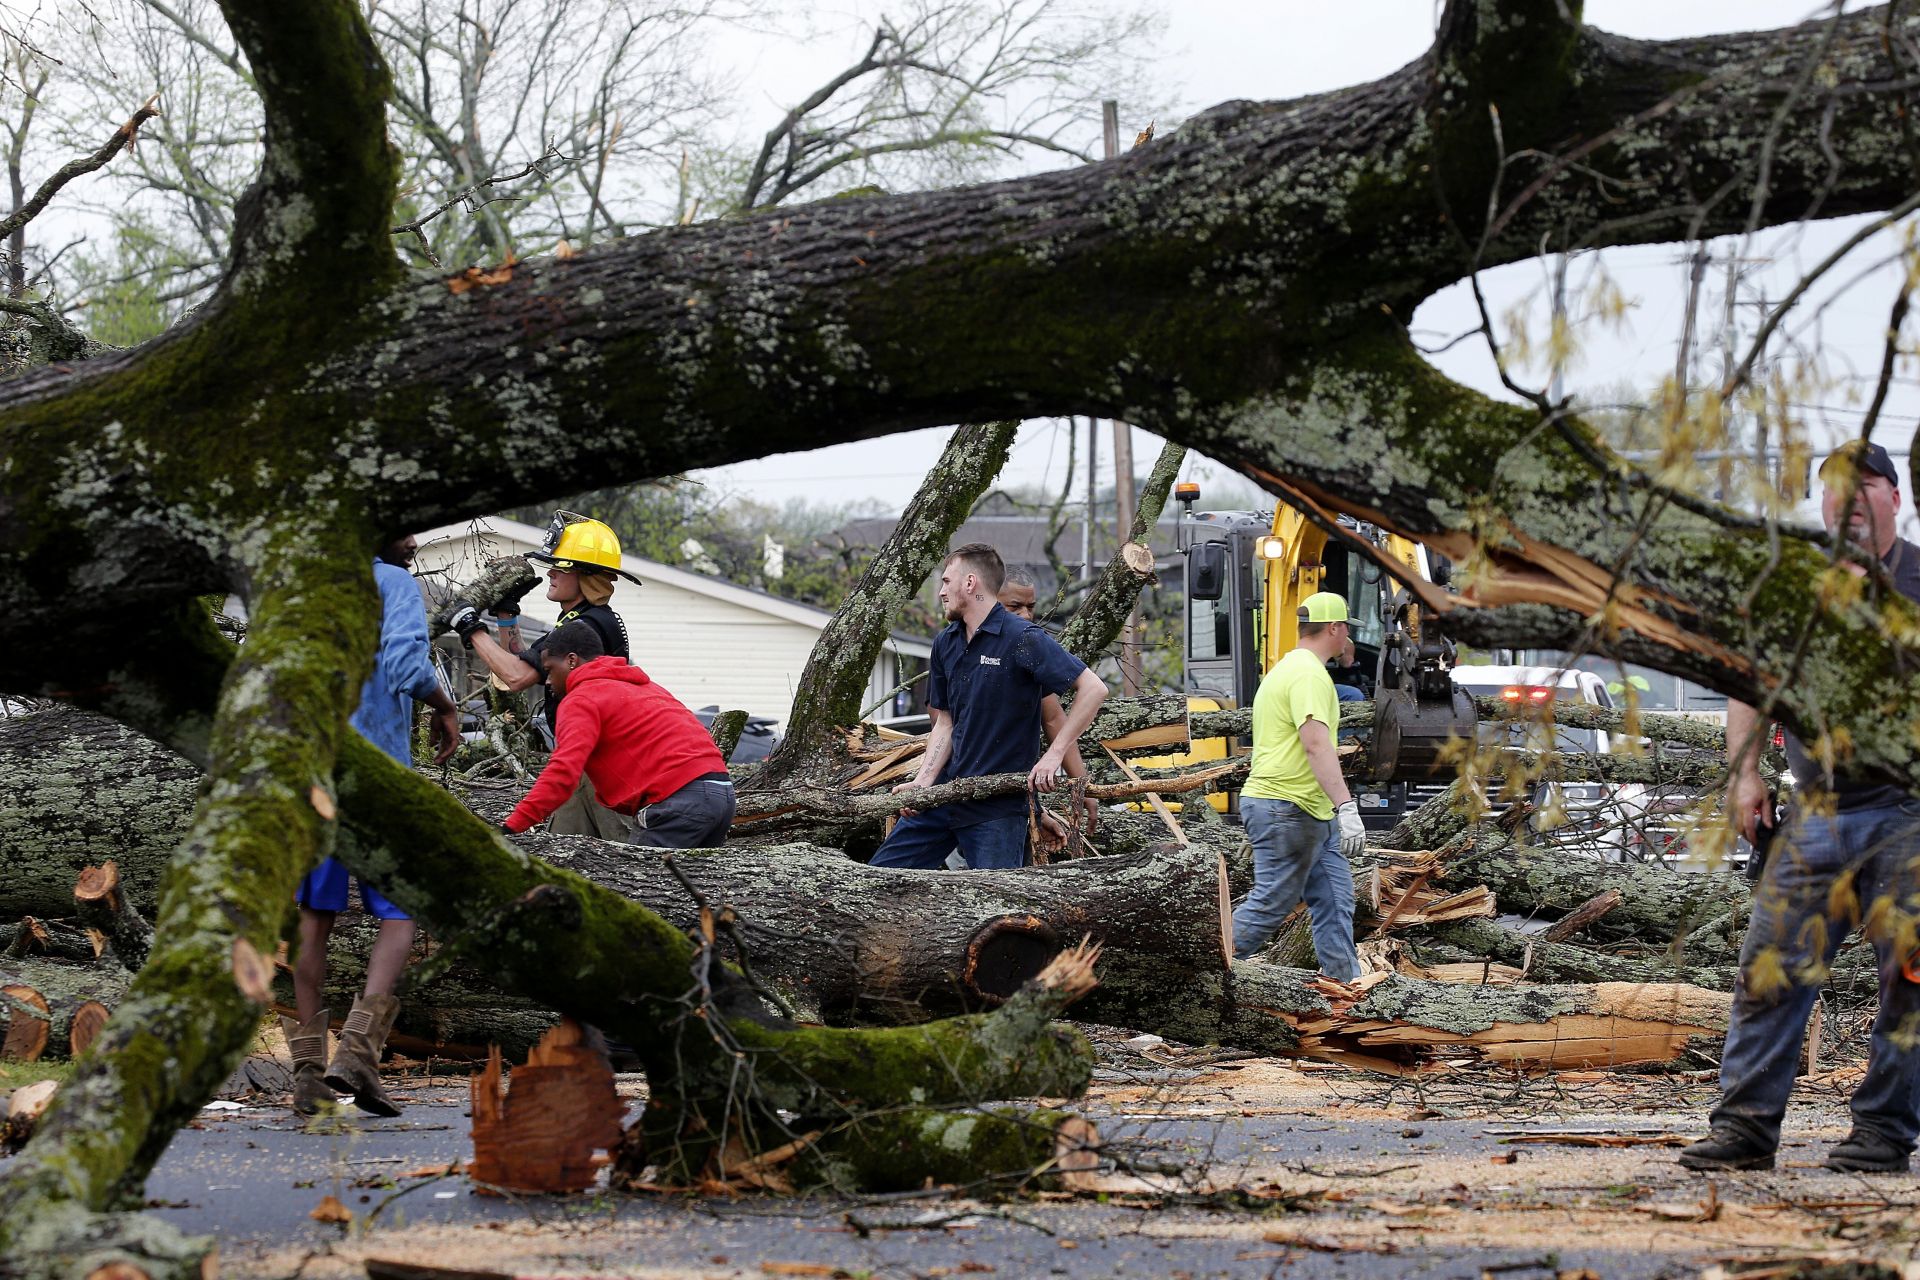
(324, 397)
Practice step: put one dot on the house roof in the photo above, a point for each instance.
(1016, 533)
(733, 593)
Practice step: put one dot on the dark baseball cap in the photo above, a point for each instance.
(1870, 458)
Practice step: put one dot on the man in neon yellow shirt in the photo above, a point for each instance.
(1303, 822)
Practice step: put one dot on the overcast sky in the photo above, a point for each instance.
(1215, 51)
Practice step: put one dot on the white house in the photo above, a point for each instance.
(709, 642)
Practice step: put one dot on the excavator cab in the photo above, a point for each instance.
(1246, 574)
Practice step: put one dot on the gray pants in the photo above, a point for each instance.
(694, 817)
(582, 814)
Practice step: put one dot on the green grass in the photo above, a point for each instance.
(15, 1074)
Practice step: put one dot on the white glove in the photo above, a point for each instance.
(1353, 832)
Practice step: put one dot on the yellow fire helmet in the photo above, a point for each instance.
(580, 545)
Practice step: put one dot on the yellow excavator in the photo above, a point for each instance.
(1246, 573)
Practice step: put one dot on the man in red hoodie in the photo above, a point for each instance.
(645, 753)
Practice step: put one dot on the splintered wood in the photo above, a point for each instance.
(542, 1132)
(1401, 899)
(1405, 1030)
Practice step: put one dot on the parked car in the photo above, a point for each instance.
(1598, 815)
(757, 740)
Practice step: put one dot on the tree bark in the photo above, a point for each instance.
(81, 789)
(832, 691)
(857, 943)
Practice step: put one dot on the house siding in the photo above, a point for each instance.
(705, 649)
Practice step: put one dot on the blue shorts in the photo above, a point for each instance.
(325, 889)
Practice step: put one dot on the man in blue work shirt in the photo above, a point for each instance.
(989, 672)
(402, 675)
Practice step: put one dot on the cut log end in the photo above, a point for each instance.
(26, 1037)
(99, 884)
(87, 1021)
(1006, 953)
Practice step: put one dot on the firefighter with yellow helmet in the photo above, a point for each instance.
(583, 559)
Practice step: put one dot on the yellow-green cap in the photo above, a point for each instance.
(1324, 606)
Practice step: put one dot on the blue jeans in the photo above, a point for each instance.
(925, 839)
(1296, 856)
(1799, 920)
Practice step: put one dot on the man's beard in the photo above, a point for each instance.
(954, 612)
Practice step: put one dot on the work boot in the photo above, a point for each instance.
(1726, 1147)
(307, 1042)
(356, 1054)
(1865, 1151)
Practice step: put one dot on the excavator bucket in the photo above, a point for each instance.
(1409, 732)
(1417, 708)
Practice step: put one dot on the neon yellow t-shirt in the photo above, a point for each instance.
(1297, 689)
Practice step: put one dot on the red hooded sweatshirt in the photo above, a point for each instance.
(635, 740)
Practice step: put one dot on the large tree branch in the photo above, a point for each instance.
(317, 215)
(191, 1011)
(846, 319)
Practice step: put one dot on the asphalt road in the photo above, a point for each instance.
(251, 1177)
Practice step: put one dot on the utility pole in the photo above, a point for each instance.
(1092, 517)
(1123, 500)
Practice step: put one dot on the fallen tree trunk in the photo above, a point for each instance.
(53, 1008)
(1658, 905)
(848, 942)
(1602, 1025)
(85, 789)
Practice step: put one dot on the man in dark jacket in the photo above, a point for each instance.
(645, 753)
(1847, 858)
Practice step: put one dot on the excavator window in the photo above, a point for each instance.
(1209, 628)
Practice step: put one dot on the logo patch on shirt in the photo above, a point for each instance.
(986, 661)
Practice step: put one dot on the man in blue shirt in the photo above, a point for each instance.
(402, 675)
(989, 672)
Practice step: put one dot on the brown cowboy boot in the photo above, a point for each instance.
(355, 1068)
(307, 1042)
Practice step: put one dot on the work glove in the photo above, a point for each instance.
(510, 602)
(1353, 832)
(465, 620)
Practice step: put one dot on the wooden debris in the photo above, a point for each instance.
(53, 1008)
(22, 1113)
(331, 1210)
(1581, 916)
(1387, 1023)
(541, 1133)
(1400, 891)
(104, 905)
